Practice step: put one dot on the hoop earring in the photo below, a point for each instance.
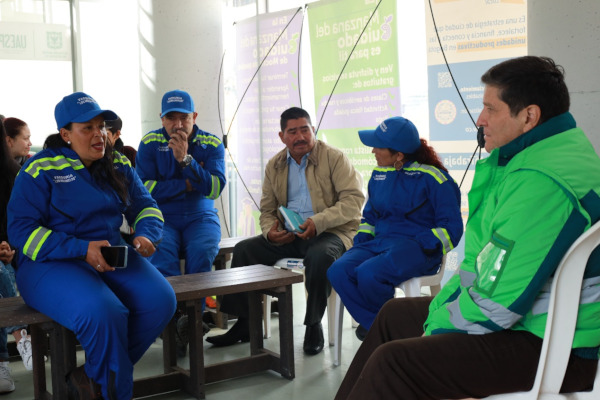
(398, 167)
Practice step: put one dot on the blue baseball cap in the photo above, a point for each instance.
(177, 100)
(78, 107)
(394, 133)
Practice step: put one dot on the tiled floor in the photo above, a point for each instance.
(316, 378)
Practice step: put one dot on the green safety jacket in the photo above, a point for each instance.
(530, 200)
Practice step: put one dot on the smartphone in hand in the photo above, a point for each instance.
(115, 256)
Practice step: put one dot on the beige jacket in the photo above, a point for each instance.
(335, 190)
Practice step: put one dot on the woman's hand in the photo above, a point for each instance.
(94, 256)
(144, 246)
(6, 253)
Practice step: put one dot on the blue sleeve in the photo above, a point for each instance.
(206, 173)
(445, 200)
(28, 211)
(366, 229)
(142, 214)
(147, 168)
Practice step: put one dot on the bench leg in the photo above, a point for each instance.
(195, 383)
(64, 359)
(255, 322)
(39, 348)
(286, 333)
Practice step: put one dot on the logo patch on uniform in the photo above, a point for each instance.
(163, 148)
(64, 178)
(380, 177)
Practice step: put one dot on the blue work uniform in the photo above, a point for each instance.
(192, 229)
(411, 219)
(55, 210)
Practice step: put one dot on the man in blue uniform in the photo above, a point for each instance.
(183, 168)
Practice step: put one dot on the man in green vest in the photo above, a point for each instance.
(530, 200)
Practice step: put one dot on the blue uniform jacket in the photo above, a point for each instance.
(418, 201)
(56, 207)
(165, 178)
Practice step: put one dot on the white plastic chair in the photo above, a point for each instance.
(296, 264)
(560, 327)
(411, 288)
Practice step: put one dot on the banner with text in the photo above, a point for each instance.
(368, 90)
(273, 90)
(27, 41)
(474, 35)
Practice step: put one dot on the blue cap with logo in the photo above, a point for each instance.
(79, 107)
(394, 133)
(177, 100)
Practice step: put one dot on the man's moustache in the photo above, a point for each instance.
(300, 143)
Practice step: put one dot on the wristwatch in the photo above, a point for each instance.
(187, 160)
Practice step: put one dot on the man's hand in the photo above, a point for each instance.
(281, 237)
(178, 144)
(310, 230)
(6, 253)
(94, 256)
(144, 246)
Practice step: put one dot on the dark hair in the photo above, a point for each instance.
(528, 80)
(293, 113)
(102, 170)
(114, 125)
(8, 171)
(425, 155)
(13, 126)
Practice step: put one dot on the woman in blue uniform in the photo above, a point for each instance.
(67, 203)
(411, 219)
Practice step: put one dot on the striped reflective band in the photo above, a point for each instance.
(366, 228)
(442, 235)
(49, 163)
(215, 188)
(154, 137)
(590, 293)
(120, 159)
(35, 242)
(384, 169)
(208, 140)
(428, 169)
(150, 185)
(148, 212)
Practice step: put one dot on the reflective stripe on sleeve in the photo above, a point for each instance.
(150, 185)
(208, 140)
(35, 241)
(366, 228)
(154, 137)
(442, 235)
(215, 188)
(148, 212)
(428, 169)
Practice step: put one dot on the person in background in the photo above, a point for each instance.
(535, 194)
(67, 204)
(18, 138)
(8, 171)
(319, 183)
(411, 219)
(113, 134)
(183, 168)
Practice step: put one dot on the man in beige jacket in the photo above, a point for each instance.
(318, 182)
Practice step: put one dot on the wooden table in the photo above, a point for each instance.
(254, 279)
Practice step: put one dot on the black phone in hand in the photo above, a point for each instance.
(115, 256)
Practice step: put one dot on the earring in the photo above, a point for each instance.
(398, 167)
(69, 142)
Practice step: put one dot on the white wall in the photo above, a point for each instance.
(569, 32)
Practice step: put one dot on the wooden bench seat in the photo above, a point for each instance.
(189, 289)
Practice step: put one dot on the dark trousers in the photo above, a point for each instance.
(395, 362)
(318, 254)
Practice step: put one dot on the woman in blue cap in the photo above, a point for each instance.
(411, 219)
(67, 203)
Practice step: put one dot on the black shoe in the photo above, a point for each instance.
(361, 332)
(82, 387)
(208, 318)
(313, 339)
(239, 332)
(182, 336)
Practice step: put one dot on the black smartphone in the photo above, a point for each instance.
(115, 256)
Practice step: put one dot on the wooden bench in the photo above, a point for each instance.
(190, 289)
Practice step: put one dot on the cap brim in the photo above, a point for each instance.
(369, 139)
(88, 116)
(181, 110)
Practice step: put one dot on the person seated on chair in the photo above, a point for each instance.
(319, 183)
(411, 219)
(534, 195)
(67, 203)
